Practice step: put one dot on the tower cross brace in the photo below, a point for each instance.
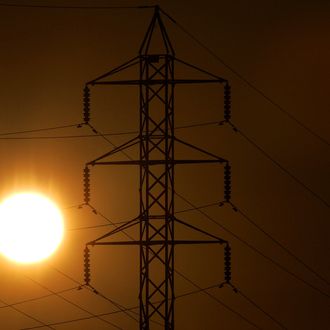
(156, 141)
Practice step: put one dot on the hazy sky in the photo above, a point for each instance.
(283, 48)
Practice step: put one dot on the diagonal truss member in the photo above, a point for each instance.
(156, 141)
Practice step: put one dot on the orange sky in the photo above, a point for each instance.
(47, 56)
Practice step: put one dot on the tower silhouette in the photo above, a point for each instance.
(156, 141)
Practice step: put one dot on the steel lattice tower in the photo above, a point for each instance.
(157, 180)
(156, 141)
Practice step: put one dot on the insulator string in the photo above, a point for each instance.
(227, 102)
(227, 182)
(86, 105)
(227, 262)
(86, 185)
(87, 274)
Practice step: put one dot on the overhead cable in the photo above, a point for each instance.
(246, 81)
(29, 316)
(275, 162)
(17, 5)
(252, 302)
(40, 297)
(280, 266)
(209, 294)
(121, 311)
(93, 290)
(72, 303)
(41, 129)
(218, 301)
(282, 246)
(5, 136)
(114, 223)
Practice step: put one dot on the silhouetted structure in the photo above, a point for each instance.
(156, 141)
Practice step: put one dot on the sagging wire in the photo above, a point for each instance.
(41, 6)
(87, 279)
(279, 244)
(279, 165)
(245, 80)
(86, 118)
(43, 324)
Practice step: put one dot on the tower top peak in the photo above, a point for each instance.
(156, 39)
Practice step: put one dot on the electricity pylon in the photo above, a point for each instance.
(156, 141)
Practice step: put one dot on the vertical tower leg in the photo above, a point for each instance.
(156, 192)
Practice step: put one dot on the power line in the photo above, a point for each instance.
(197, 286)
(197, 207)
(283, 247)
(93, 290)
(241, 316)
(72, 303)
(41, 129)
(62, 137)
(200, 124)
(267, 155)
(201, 44)
(246, 81)
(249, 219)
(76, 206)
(107, 139)
(78, 319)
(40, 297)
(120, 307)
(180, 127)
(243, 295)
(97, 226)
(183, 295)
(176, 271)
(255, 249)
(114, 146)
(251, 247)
(58, 294)
(16, 5)
(188, 126)
(199, 289)
(118, 311)
(111, 223)
(260, 309)
(29, 316)
(4, 136)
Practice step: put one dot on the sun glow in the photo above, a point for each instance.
(31, 227)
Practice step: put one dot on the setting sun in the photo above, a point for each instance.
(31, 227)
